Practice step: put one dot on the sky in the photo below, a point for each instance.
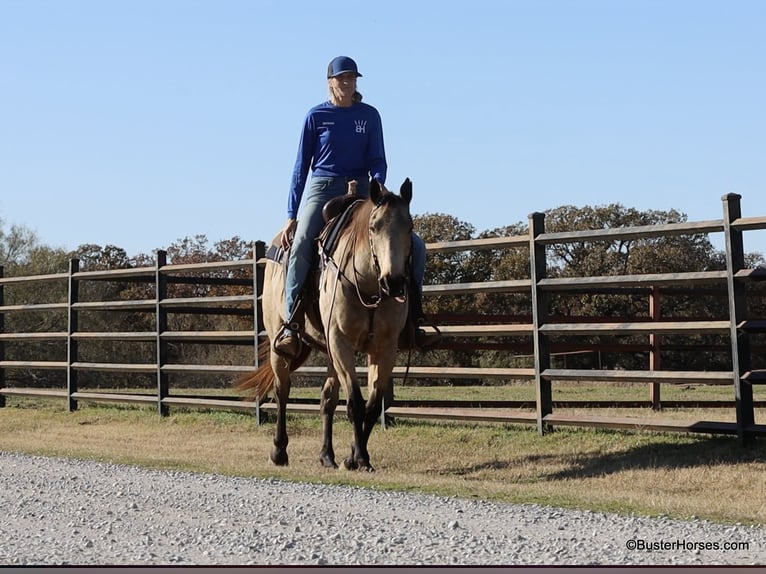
(137, 123)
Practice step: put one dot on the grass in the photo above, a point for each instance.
(646, 473)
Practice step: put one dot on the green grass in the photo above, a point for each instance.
(648, 473)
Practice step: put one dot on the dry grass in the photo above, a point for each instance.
(629, 472)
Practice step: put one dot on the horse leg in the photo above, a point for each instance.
(327, 404)
(379, 369)
(281, 395)
(343, 365)
(359, 459)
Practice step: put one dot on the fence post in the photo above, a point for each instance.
(655, 341)
(259, 252)
(541, 347)
(161, 324)
(2, 344)
(72, 327)
(740, 339)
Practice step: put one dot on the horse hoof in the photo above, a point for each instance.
(359, 465)
(328, 461)
(365, 467)
(279, 457)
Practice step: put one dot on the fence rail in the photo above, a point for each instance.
(540, 331)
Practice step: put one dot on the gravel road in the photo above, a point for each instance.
(72, 512)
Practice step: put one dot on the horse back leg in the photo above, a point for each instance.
(281, 394)
(327, 405)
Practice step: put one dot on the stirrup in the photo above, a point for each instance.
(424, 340)
(290, 349)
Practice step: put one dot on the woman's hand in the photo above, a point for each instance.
(286, 237)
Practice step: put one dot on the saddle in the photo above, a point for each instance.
(336, 214)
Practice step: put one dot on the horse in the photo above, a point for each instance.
(354, 302)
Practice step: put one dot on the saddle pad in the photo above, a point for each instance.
(328, 238)
(276, 253)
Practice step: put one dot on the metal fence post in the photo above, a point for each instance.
(161, 324)
(383, 412)
(740, 339)
(72, 327)
(2, 343)
(655, 341)
(259, 252)
(541, 347)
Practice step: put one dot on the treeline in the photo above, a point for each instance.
(21, 254)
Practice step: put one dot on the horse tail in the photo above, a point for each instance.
(257, 384)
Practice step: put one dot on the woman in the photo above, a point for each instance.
(341, 142)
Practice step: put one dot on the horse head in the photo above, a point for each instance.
(390, 232)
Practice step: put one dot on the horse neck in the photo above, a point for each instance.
(356, 242)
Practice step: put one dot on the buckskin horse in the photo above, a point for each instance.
(355, 302)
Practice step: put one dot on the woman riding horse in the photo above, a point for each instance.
(341, 141)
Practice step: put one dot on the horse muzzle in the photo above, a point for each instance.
(394, 287)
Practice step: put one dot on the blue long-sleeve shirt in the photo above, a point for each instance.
(338, 142)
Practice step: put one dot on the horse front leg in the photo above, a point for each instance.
(281, 396)
(343, 364)
(380, 366)
(359, 459)
(328, 403)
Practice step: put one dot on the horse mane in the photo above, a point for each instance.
(360, 220)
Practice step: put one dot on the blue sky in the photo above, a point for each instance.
(135, 123)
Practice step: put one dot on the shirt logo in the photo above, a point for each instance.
(361, 126)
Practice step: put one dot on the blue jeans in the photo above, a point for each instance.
(311, 222)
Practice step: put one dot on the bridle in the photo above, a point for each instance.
(328, 260)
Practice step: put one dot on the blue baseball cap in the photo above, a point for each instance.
(341, 65)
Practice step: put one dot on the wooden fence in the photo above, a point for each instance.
(542, 330)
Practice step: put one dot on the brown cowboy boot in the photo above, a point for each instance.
(288, 343)
(288, 339)
(424, 340)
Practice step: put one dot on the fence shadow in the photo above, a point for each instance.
(704, 451)
(698, 452)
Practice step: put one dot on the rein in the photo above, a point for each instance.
(375, 299)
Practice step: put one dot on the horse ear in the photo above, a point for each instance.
(406, 190)
(375, 191)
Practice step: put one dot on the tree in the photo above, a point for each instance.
(16, 244)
